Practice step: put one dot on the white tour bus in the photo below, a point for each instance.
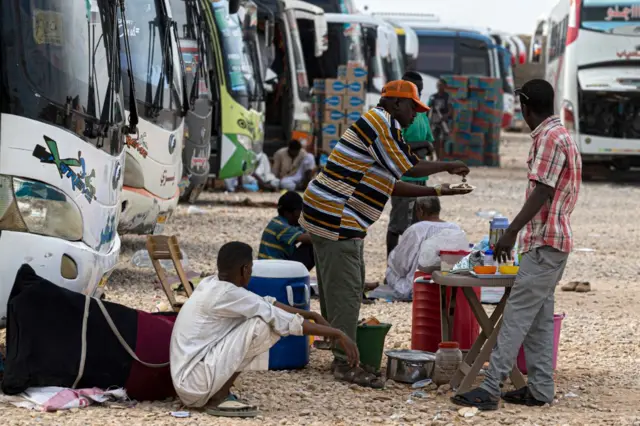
(62, 132)
(448, 49)
(592, 60)
(153, 158)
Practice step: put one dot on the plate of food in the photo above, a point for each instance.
(462, 187)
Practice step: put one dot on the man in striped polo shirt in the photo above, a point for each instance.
(348, 196)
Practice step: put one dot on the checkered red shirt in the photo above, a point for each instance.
(554, 160)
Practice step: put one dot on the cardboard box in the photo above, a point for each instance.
(335, 86)
(353, 116)
(356, 73)
(331, 114)
(353, 103)
(332, 129)
(350, 118)
(356, 88)
(328, 143)
(456, 81)
(334, 102)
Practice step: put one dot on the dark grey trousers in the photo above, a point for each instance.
(341, 272)
(528, 319)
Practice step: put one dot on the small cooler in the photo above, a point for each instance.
(288, 283)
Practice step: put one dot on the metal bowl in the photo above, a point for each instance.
(409, 366)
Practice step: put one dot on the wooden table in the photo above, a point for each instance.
(480, 352)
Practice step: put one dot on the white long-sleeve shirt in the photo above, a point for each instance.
(403, 260)
(214, 311)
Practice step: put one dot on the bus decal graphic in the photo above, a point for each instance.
(79, 181)
(626, 13)
(630, 54)
(138, 144)
(109, 232)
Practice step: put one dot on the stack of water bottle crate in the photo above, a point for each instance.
(337, 103)
(477, 116)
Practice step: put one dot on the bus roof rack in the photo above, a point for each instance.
(406, 17)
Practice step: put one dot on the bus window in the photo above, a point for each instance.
(504, 59)
(437, 56)
(474, 57)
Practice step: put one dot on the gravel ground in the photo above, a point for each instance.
(597, 377)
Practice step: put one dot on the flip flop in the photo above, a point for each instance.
(479, 398)
(358, 376)
(232, 407)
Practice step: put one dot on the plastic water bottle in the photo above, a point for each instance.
(497, 228)
(488, 258)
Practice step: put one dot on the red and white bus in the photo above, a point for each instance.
(592, 59)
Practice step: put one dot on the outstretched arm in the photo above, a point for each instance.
(428, 168)
(320, 327)
(405, 189)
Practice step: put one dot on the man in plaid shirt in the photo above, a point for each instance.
(555, 173)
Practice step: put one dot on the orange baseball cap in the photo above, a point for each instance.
(404, 89)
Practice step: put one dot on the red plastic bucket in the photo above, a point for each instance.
(557, 326)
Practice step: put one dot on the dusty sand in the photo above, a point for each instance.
(599, 357)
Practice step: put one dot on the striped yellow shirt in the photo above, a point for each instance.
(348, 196)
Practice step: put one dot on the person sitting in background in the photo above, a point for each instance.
(224, 329)
(403, 260)
(283, 233)
(419, 138)
(293, 166)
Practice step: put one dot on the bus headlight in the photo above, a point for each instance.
(38, 208)
(133, 176)
(245, 141)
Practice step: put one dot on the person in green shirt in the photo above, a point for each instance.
(419, 137)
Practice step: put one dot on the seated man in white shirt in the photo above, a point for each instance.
(293, 166)
(403, 260)
(224, 329)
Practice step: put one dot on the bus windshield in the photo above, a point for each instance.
(65, 57)
(453, 55)
(155, 70)
(351, 42)
(437, 56)
(611, 16)
(192, 39)
(230, 34)
(504, 57)
(347, 46)
(249, 69)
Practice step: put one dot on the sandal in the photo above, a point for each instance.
(357, 376)
(479, 398)
(570, 286)
(323, 345)
(232, 407)
(522, 396)
(583, 287)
